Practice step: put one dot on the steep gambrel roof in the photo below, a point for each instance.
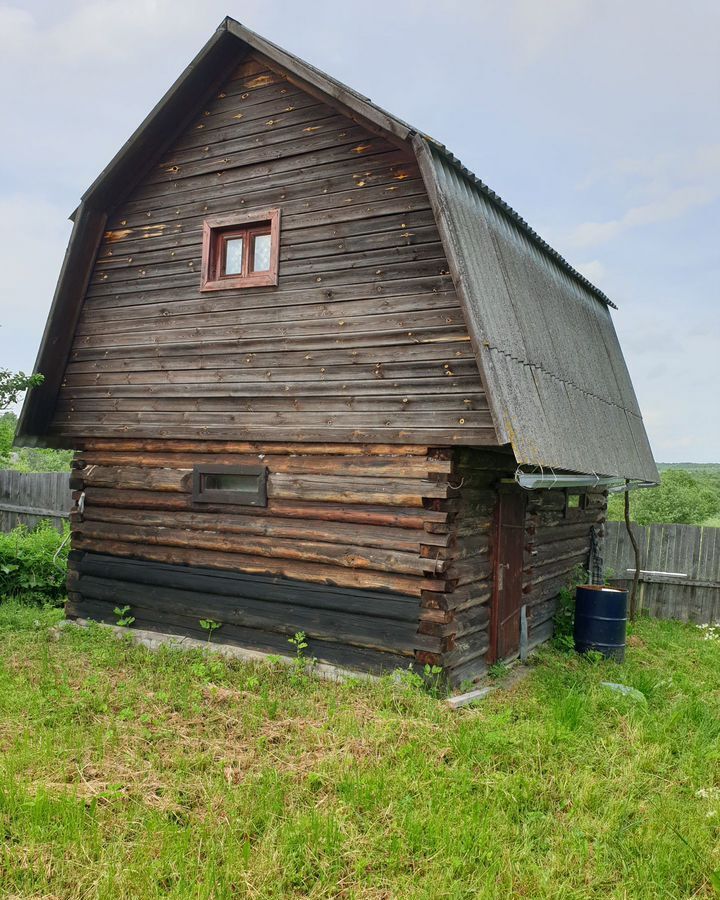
(559, 389)
(556, 378)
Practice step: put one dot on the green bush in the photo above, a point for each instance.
(563, 638)
(33, 564)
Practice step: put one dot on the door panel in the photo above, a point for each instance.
(508, 575)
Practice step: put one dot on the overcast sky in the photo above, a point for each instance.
(597, 120)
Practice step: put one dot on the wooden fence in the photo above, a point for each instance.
(26, 498)
(679, 569)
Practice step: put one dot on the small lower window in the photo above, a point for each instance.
(575, 501)
(241, 485)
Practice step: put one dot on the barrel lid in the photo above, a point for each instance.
(599, 587)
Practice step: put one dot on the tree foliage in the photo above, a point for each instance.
(681, 498)
(28, 459)
(12, 384)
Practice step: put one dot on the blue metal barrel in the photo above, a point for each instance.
(601, 621)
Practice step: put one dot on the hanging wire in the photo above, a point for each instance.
(57, 552)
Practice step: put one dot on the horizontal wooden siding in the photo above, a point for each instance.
(362, 340)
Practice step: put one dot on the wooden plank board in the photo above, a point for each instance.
(343, 656)
(365, 514)
(382, 227)
(309, 572)
(281, 486)
(286, 618)
(692, 551)
(251, 544)
(185, 458)
(449, 352)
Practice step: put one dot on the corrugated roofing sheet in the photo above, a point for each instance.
(548, 349)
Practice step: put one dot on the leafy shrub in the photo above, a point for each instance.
(431, 680)
(33, 564)
(39, 459)
(565, 613)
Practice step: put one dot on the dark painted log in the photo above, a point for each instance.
(353, 658)
(286, 618)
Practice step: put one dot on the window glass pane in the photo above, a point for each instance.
(233, 256)
(245, 483)
(261, 254)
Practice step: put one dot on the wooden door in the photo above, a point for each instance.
(508, 574)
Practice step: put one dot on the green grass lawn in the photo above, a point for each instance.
(128, 774)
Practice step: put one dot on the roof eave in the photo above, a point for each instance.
(39, 404)
(177, 107)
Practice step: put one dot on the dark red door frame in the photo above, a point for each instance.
(508, 559)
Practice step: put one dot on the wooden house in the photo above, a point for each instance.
(302, 354)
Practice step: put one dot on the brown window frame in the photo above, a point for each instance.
(201, 494)
(218, 230)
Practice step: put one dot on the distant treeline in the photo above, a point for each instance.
(688, 494)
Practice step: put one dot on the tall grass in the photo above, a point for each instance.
(126, 774)
(33, 563)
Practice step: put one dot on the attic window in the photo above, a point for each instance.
(241, 250)
(239, 485)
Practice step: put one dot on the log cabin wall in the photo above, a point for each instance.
(353, 538)
(461, 613)
(382, 554)
(558, 541)
(363, 339)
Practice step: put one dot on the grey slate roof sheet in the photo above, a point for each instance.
(562, 395)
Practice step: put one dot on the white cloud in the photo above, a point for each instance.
(537, 27)
(16, 28)
(674, 362)
(108, 30)
(593, 269)
(658, 172)
(670, 206)
(33, 237)
(531, 94)
(672, 184)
